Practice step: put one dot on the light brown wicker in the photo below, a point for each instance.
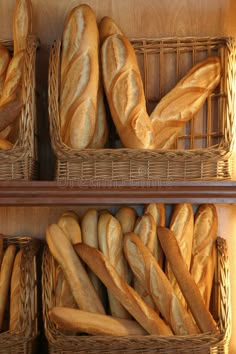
(203, 151)
(23, 340)
(204, 343)
(21, 162)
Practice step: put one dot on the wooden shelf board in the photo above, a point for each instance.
(73, 193)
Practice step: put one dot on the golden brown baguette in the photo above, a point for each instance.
(81, 287)
(63, 293)
(79, 77)
(108, 27)
(22, 24)
(110, 240)
(95, 324)
(186, 282)
(9, 111)
(71, 228)
(204, 249)
(89, 228)
(15, 291)
(4, 62)
(71, 213)
(154, 280)
(158, 212)
(5, 278)
(143, 314)
(181, 224)
(127, 217)
(124, 89)
(181, 104)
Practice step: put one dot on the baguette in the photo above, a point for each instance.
(186, 282)
(181, 224)
(143, 314)
(154, 280)
(158, 212)
(110, 240)
(4, 62)
(184, 101)
(79, 77)
(127, 217)
(15, 291)
(9, 110)
(89, 228)
(5, 279)
(22, 24)
(95, 324)
(81, 287)
(124, 90)
(71, 228)
(204, 249)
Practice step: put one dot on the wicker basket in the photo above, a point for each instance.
(23, 340)
(203, 150)
(204, 343)
(21, 162)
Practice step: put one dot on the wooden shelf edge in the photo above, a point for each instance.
(45, 193)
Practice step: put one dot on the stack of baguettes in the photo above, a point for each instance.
(129, 274)
(11, 74)
(96, 57)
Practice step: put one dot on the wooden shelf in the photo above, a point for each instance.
(39, 193)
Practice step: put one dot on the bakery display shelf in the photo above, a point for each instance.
(73, 193)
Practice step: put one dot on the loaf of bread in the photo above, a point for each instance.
(5, 278)
(143, 314)
(181, 224)
(158, 212)
(93, 323)
(79, 77)
(79, 282)
(186, 282)
(154, 280)
(4, 62)
(63, 293)
(124, 89)
(110, 241)
(22, 24)
(127, 217)
(181, 104)
(204, 249)
(15, 291)
(89, 228)
(71, 228)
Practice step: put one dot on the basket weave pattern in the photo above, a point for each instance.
(204, 148)
(23, 339)
(20, 162)
(203, 343)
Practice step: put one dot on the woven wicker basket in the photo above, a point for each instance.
(23, 339)
(204, 148)
(204, 343)
(21, 162)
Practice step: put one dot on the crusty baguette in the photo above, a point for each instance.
(108, 27)
(154, 280)
(186, 282)
(143, 314)
(127, 217)
(63, 293)
(204, 249)
(158, 212)
(124, 89)
(22, 24)
(71, 228)
(9, 111)
(181, 104)
(71, 213)
(79, 77)
(181, 224)
(81, 287)
(110, 241)
(89, 229)
(4, 62)
(95, 324)
(15, 291)
(5, 278)
(145, 228)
